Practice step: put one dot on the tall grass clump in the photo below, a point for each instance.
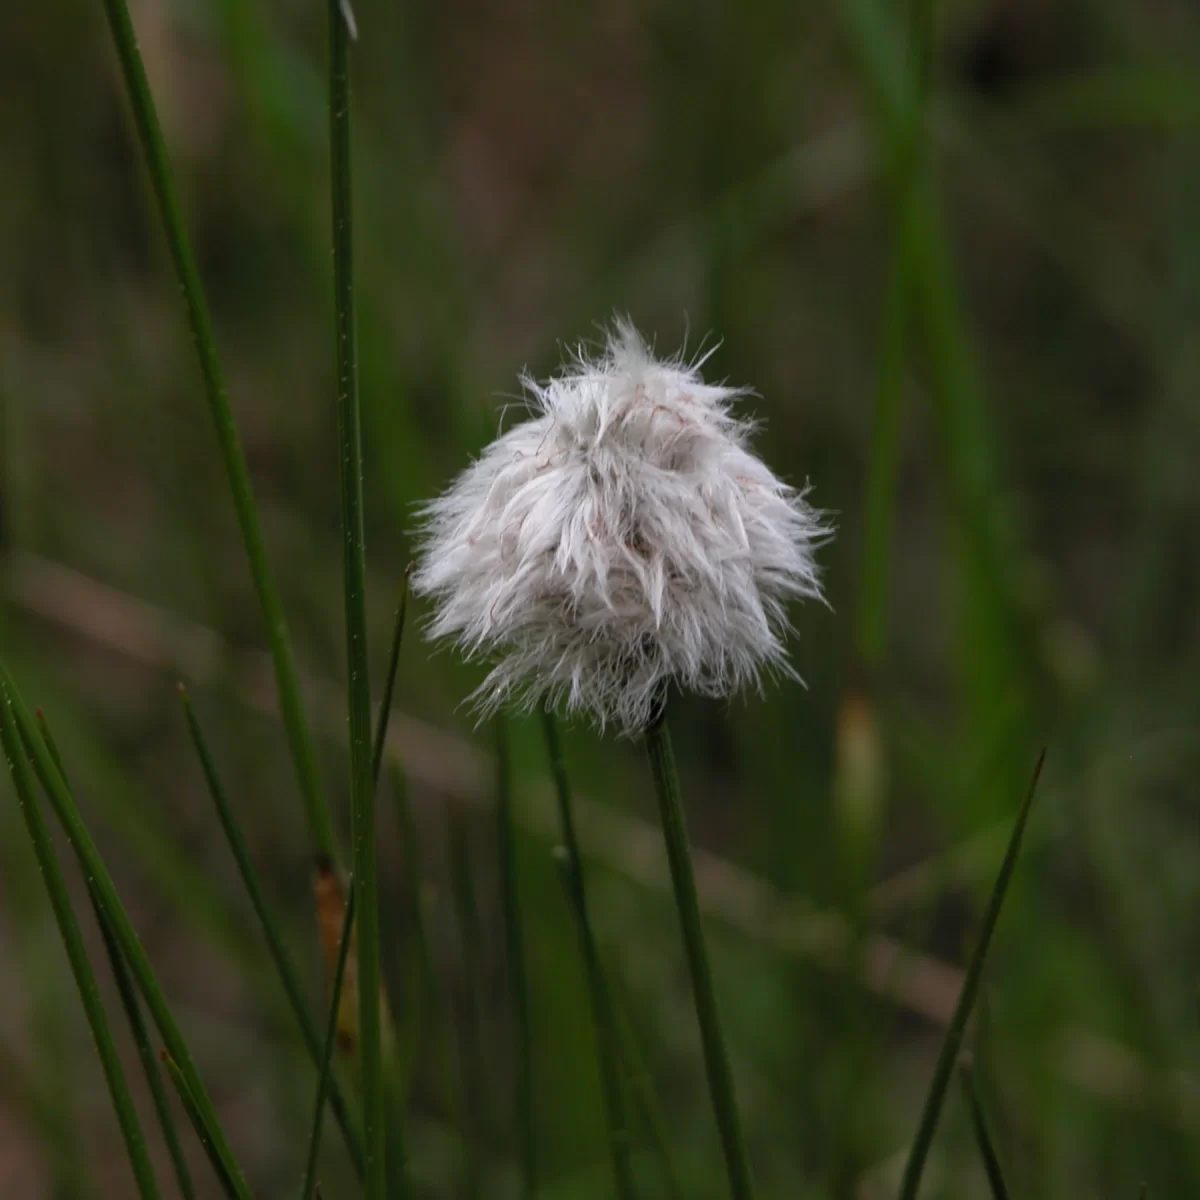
(622, 547)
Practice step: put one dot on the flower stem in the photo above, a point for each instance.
(716, 1059)
(601, 1001)
(362, 790)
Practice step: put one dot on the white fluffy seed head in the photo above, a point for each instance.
(622, 538)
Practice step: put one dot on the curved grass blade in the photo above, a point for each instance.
(601, 1002)
(68, 926)
(289, 976)
(158, 163)
(514, 939)
(362, 791)
(389, 683)
(206, 1135)
(133, 1014)
(331, 1027)
(13, 710)
(966, 999)
(987, 1149)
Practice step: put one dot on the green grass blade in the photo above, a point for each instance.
(601, 1001)
(103, 889)
(989, 614)
(289, 976)
(145, 1051)
(966, 1001)
(987, 1149)
(514, 940)
(326, 1073)
(893, 357)
(362, 791)
(133, 1015)
(68, 926)
(158, 163)
(205, 1133)
(389, 683)
(716, 1057)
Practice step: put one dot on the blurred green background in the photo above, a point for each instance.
(1017, 561)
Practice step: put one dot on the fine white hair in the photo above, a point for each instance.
(622, 538)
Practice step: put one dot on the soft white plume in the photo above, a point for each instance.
(622, 538)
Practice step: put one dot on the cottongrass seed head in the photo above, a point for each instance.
(623, 538)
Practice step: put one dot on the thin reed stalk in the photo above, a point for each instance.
(14, 713)
(285, 966)
(133, 1015)
(376, 1135)
(158, 163)
(81, 969)
(204, 1132)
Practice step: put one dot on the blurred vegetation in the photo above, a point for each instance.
(970, 322)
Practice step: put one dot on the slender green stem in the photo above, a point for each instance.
(716, 1058)
(966, 999)
(389, 683)
(133, 1013)
(362, 791)
(204, 1132)
(85, 980)
(158, 162)
(14, 711)
(514, 938)
(987, 1150)
(285, 967)
(470, 1058)
(326, 1072)
(601, 1001)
